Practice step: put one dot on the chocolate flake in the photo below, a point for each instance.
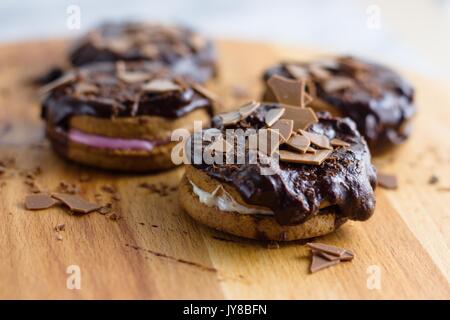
(337, 83)
(335, 251)
(387, 181)
(76, 203)
(285, 128)
(39, 201)
(160, 85)
(288, 91)
(205, 92)
(65, 79)
(230, 118)
(339, 143)
(248, 109)
(303, 117)
(60, 227)
(273, 115)
(319, 140)
(299, 143)
(305, 158)
(296, 71)
(318, 263)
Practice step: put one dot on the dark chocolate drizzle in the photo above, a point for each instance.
(381, 102)
(346, 180)
(115, 98)
(175, 49)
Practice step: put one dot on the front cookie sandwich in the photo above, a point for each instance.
(378, 99)
(279, 173)
(120, 116)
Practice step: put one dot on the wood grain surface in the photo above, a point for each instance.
(155, 251)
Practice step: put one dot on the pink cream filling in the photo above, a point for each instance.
(97, 141)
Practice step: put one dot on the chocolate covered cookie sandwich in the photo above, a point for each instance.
(120, 116)
(280, 172)
(180, 49)
(376, 98)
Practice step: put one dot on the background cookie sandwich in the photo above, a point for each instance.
(324, 178)
(375, 97)
(178, 48)
(120, 115)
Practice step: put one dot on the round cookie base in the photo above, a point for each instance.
(258, 227)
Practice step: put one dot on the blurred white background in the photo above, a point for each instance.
(410, 34)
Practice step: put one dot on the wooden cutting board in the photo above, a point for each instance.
(156, 251)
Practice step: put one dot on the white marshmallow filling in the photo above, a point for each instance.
(221, 199)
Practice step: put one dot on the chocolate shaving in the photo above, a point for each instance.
(39, 201)
(335, 251)
(160, 85)
(319, 263)
(339, 143)
(205, 92)
(230, 118)
(337, 83)
(248, 109)
(266, 142)
(76, 203)
(65, 79)
(305, 158)
(387, 181)
(299, 143)
(319, 140)
(303, 117)
(296, 71)
(324, 256)
(273, 115)
(288, 91)
(285, 128)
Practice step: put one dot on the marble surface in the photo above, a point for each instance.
(395, 32)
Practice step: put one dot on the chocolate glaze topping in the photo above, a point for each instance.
(176, 47)
(98, 90)
(377, 98)
(346, 180)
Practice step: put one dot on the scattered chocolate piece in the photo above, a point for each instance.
(387, 181)
(285, 128)
(160, 85)
(230, 118)
(273, 115)
(302, 117)
(433, 179)
(319, 140)
(59, 237)
(337, 83)
(114, 217)
(60, 227)
(324, 256)
(296, 71)
(248, 109)
(39, 201)
(339, 143)
(76, 203)
(105, 209)
(305, 158)
(299, 143)
(205, 92)
(288, 91)
(335, 251)
(318, 263)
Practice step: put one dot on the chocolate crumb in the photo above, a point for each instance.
(433, 179)
(60, 227)
(59, 237)
(105, 209)
(76, 203)
(114, 217)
